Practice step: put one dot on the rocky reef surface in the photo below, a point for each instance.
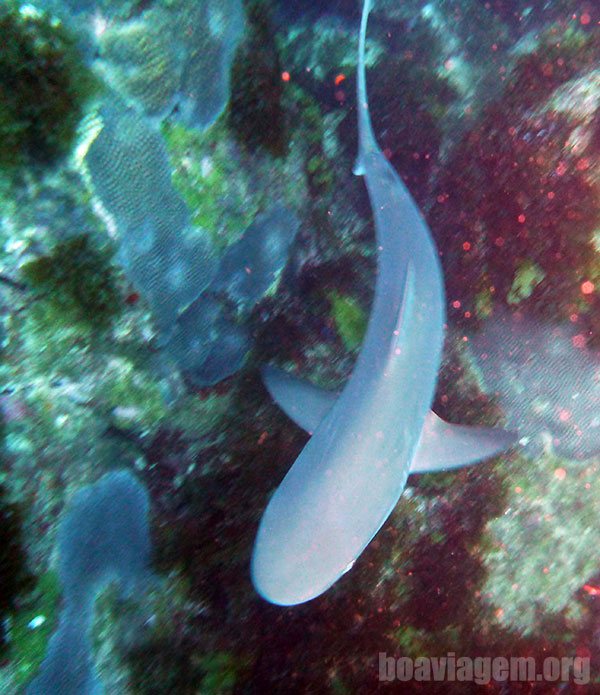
(170, 239)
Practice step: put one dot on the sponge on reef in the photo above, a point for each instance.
(103, 537)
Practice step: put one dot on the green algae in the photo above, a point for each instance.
(350, 319)
(76, 283)
(211, 181)
(29, 641)
(320, 172)
(44, 85)
(484, 303)
(311, 129)
(221, 673)
(528, 276)
(132, 395)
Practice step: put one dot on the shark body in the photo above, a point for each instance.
(366, 440)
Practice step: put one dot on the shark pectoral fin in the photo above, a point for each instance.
(444, 446)
(300, 400)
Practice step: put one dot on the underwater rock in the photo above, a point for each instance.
(211, 338)
(251, 266)
(212, 30)
(103, 537)
(170, 261)
(546, 379)
(545, 545)
(324, 46)
(206, 341)
(518, 205)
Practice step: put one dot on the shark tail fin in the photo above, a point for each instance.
(366, 138)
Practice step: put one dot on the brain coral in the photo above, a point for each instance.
(163, 256)
(174, 57)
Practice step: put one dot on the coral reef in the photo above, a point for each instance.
(550, 506)
(211, 248)
(537, 213)
(211, 337)
(32, 627)
(174, 56)
(114, 513)
(165, 258)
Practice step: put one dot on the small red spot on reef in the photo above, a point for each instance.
(339, 79)
(132, 298)
(585, 18)
(591, 590)
(587, 287)
(285, 76)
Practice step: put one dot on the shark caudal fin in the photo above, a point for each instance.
(366, 137)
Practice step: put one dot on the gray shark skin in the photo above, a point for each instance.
(351, 473)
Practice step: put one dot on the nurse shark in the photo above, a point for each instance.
(368, 438)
